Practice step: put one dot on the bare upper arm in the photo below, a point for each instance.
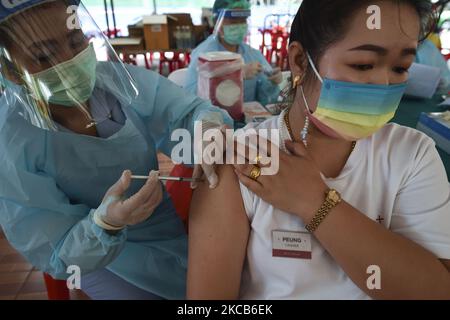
(218, 235)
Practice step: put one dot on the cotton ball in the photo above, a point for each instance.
(228, 93)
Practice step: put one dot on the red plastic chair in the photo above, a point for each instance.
(187, 58)
(181, 192)
(112, 33)
(175, 62)
(265, 47)
(128, 58)
(278, 47)
(148, 58)
(446, 56)
(283, 61)
(56, 289)
(132, 59)
(172, 63)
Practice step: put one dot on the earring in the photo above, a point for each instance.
(296, 82)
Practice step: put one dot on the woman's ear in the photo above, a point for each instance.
(297, 60)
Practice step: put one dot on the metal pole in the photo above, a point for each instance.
(114, 18)
(155, 9)
(107, 18)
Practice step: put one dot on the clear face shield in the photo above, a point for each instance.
(2, 84)
(53, 57)
(232, 25)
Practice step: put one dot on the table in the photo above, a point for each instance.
(408, 115)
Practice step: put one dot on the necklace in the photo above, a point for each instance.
(94, 122)
(304, 133)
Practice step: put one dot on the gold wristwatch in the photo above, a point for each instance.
(332, 199)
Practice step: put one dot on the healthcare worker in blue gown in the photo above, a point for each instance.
(75, 124)
(261, 82)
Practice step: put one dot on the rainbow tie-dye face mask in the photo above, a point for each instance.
(353, 111)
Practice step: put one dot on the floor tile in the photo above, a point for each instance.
(12, 258)
(10, 289)
(33, 296)
(78, 295)
(5, 247)
(33, 285)
(15, 267)
(13, 277)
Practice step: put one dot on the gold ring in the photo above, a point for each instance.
(255, 173)
(257, 160)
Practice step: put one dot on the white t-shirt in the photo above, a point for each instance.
(395, 175)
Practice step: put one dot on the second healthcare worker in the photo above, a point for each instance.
(229, 35)
(74, 125)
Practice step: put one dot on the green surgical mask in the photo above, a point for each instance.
(67, 84)
(234, 34)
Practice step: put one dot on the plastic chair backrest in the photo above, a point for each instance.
(56, 289)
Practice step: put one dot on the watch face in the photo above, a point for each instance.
(334, 196)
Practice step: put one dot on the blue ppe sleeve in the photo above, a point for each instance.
(49, 231)
(429, 54)
(266, 91)
(192, 73)
(165, 107)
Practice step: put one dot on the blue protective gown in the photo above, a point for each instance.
(430, 55)
(51, 182)
(260, 88)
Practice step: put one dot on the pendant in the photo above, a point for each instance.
(90, 125)
(304, 133)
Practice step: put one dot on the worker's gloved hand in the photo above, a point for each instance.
(251, 70)
(116, 212)
(277, 76)
(203, 151)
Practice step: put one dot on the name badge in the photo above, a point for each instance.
(296, 245)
